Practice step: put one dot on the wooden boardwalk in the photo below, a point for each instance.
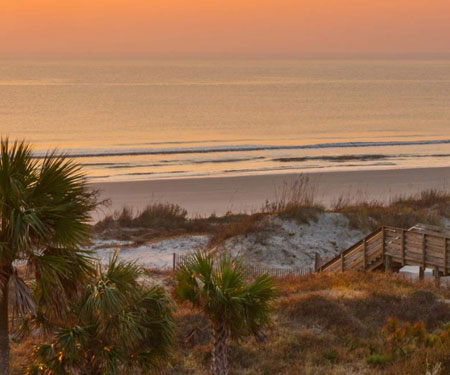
(390, 249)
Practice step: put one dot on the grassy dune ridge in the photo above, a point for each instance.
(295, 201)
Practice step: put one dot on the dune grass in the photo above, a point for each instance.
(426, 207)
(295, 201)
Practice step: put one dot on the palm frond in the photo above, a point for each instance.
(117, 326)
(23, 298)
(218, 287)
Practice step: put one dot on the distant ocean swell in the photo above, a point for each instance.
(89, 153)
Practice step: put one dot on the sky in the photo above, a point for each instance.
(224, 27)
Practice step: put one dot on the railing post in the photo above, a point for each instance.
(424, 251)
(342, 262)
(388, 263)
(174, 264)
(437, 278)
(384, 241)
(421, 273)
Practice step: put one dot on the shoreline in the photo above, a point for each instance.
(204, 196)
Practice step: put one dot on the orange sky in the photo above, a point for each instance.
(239, 27)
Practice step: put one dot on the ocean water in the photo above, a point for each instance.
(154, 118)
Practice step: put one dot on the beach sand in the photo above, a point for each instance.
(205, 196)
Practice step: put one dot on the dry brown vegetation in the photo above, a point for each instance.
(324, 324)
(426, 207)
(242, 227)
(295, 200)
(328, 324)
(161, 220)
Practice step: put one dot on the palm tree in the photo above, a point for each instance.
(235, 308)
(45, 210)
(117, 326)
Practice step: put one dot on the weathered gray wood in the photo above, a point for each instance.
(388, 263)
(317, 261)
(445, 257)
(437, 278)
(424, 250)
(403, 248)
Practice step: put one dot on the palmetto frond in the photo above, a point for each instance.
(45, 208)
(218, 286)
(116, 326)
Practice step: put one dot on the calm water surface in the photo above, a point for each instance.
(147, 119)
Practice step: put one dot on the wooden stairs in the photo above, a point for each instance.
(390, 249)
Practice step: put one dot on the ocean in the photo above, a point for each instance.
(174, 118)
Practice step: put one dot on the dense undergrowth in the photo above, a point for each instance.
(347, 323)
(331, 324)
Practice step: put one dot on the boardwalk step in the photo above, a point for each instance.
(400, 246)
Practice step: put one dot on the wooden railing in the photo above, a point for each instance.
(358, 256)
(411, 248)
(394, 248)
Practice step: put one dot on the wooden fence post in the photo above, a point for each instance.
(174, 262)
(317, 261)
(365, 253)
(445, 256)
(384, 241)
(403, 247)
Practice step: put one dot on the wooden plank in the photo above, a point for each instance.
(433, 260)
(413, 242)
(414, 237)
(434, 241)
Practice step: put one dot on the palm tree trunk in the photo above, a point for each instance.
(4, 332)
(219, 365)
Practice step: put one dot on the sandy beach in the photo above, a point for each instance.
(204, 196)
